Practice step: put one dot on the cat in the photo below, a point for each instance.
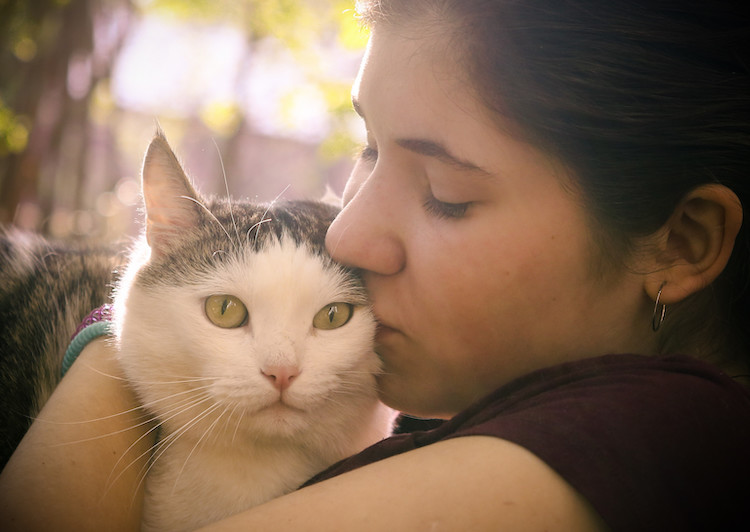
(46, 289)
(251, 347)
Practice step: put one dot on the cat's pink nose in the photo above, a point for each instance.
(280, 376)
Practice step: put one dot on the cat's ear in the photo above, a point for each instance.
(172, 204)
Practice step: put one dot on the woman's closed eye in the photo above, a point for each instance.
(432, 205)
(368, 154)
(443, 209)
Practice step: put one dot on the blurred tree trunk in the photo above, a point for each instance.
(48, 70)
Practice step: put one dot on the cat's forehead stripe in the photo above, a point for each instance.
(305, 222)
(231, 232)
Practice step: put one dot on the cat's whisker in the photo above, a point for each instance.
(94, 420)
(148, 420)
(228, 424)
(174, 380)
(356, 387)
(256, 226)
(331, 400)
(170, 382)
(265, 213)
(200, 440)
(163, 445)
(111, 481)
(143, 473)
(180, 406)
(178, 380)
(213, 217)
(344, 373)
(350, 376)
(172, 397)
(229, 197)
(105, 374)
(177, 410)
(274, 200)
(344, 392)
(188, 403)
(236, 425)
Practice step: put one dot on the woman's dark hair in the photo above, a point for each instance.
(643, 100)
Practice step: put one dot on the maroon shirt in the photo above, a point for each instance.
(653, 443)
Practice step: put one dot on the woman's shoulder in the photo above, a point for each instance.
(667, 435)
(628, 402)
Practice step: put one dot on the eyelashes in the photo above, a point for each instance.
(442, 209)
(368, 154)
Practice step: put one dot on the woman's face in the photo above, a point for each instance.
(476, 249)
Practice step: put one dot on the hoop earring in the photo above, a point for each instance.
(658, 318)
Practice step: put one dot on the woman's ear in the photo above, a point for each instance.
(695, 244)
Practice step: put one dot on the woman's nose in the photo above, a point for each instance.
(366, 234)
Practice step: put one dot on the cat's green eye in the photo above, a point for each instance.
(226, 311)
(333, 316)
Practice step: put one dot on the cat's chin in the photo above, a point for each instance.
(278, 420)
(282, 408)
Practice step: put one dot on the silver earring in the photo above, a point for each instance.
(658, 318)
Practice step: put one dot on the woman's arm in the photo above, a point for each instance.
(79, 465)
(469, 483)
(71, 476)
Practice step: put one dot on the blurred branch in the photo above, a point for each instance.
(48, 70)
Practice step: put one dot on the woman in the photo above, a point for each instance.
(547, 188)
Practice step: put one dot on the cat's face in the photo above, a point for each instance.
(269, 342)
(237, 324)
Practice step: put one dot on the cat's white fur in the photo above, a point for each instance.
(228, 438)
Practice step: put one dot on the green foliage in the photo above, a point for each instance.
(222, 117)
(14, 135)
(296, 23)
(206, 10)
(306, 28)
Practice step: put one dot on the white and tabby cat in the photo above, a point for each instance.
(245, 340)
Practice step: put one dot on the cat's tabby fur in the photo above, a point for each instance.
(46, 289)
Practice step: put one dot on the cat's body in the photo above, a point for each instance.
(46, 289)
(245, 340)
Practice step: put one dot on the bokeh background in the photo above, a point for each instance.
(253, 95)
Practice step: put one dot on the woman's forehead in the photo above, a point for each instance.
(411, 71)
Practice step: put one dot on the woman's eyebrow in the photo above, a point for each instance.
(438, 151)
(431, 149)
